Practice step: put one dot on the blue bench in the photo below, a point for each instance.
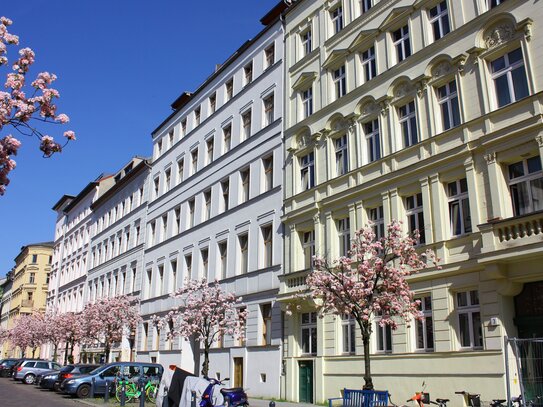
(361, 398)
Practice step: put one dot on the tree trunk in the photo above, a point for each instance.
(66, 344)
(72, 344)
(107, 350)
(33, 352)
(368, 382)
(205, 365)
(55, 347)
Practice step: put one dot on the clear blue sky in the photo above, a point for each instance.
(120, 64)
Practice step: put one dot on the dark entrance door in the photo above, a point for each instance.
(529, 311)
(305, 368)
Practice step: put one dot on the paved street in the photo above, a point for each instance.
(17, 394)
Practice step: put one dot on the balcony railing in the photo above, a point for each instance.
(512, 232)
(292, 283)
(27, 303)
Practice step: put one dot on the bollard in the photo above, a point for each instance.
(165, 400)
(272, 403)
(226, 401)
(106, 394)
(193, 399)
(91, 394)
(142, 393)
(123, 393)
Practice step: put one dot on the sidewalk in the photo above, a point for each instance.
(252, 403)
(266, 403)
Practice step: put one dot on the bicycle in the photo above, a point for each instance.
(132, 389)
(424, 398)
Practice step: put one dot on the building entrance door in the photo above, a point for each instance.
(529, 311)
(238, 372)
(305, 368)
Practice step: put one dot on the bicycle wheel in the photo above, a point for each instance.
(129, 392)
(151, 392)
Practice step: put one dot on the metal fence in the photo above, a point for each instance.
(528, 358)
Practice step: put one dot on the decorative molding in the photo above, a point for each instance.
(441, 69)
(385, 106)
(490, 157)
(370, 108)
(539, 139)
(500, 34)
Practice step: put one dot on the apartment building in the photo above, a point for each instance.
(116, 246)
(214, 211)
(429, 112)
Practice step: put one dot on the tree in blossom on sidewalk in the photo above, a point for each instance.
(70, 328)
(23, 106)
(51, 331)
(4, 335)
(109, 319)
(27, 332)
(205, 313)
(370, 282)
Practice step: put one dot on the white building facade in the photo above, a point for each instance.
(214, 211)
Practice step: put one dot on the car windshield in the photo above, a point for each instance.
(97, 370)
(67, 369)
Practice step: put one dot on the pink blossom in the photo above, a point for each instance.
(62, 118)
(70, 135)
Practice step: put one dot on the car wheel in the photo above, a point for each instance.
(83, 391)
(56, 386)
(29, 379)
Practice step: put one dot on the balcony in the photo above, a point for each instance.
(292, 284)
(27, 304)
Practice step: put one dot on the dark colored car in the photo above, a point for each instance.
(46, 380)
(6, 365)
(71, 371)
(14, 367)
(80, 386)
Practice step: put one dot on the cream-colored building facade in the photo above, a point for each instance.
(429, 112)
(28, 293)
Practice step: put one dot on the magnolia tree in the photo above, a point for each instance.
(51, 332)
(27, 332)
(25, 104)
(205, 313)
(371, 281)
(70, 328)
(109, 319)
(4, 335)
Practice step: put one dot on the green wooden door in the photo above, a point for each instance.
(306, 381)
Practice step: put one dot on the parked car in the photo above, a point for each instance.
(14, 367)
(46, 380)
(80, 386)
(6, 365)
(71, 371)
(28, 369)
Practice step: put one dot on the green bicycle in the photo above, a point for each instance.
(132, 390)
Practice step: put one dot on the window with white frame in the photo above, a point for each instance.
(180, 170)
(223, 259)
(268, 110)
(173, 275)
(160, 282)
(164, 228)
(340, 82)
(197, 116)
(342, 155)
(229, 89)
(494, 3)
(243, 241)
(373, 140)
(246, 123)
(210, 143)
(188, 267)
(470, 329)
(447, 98)
(509, 76)
(369, 65)
(194, 161)
(266, 314)
(307, 171)
(183, 127)
(344, 236)
(336, 17)
(376, 218)
(190, 211)
(207, 204)
(245, 178)
(526, 186)
(167, 183)
(348, 331)
(384, 335)
(225, 191)
(204, 253)
(439, 20)
(407, 119)
(267, 166)
(308, 248)
(267, 245)
(248, 73)
(177, 220)
(309, 333)
(415, 216)
(156, 187)
(306, 41)
(269, 55)
(227, 138)
(424, 328)
(307, 102)
(459, 215)
(212, 103)
(365, 5)
(401, 43)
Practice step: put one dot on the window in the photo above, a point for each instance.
(365, 5)
(526, 186)
(509, 78)
(188, 266)
(246, 123)
(267, 164)
(164, 227)
(207, 204)
(460, 219)
(229, 86)
(145, 334)
(424, 329)
(400, 39)
(266, 313)
(248, 73)
(447, 98)
(348, 333)
(180, 170)
(340, 82)
(408, 124)
(373, 140)
(32, 278)
(157, 338)
(170, 144)
(384, 335)
(194, 161)
(34, 258)
(160, 282)
(225, 187)
(269, 54)
(167, 180)
(152, 232)
(223, 259)
(158, 148)
(342, 156)
(148, 283)
(415, 215)
(169, 340)
(209, 150)
(191, 213)
(377, 222)
(439, 19)
(494, 3)
(197, 116)
(369, 66)
(212, 103)
(177, 221)
(267, 245)
(336, 16)
(309, 333)
(308, 248)
(205, 262)
(245, 177)
(30, 295)
(243, 250)
(227, 138)
(307, 102)
(344, 236)
(156, 186)
(307, 171)
(306, 41)
(470, 329)
(268, 110)
(183, 127)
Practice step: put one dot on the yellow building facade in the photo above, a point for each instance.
(429, 112)
(28, 292)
